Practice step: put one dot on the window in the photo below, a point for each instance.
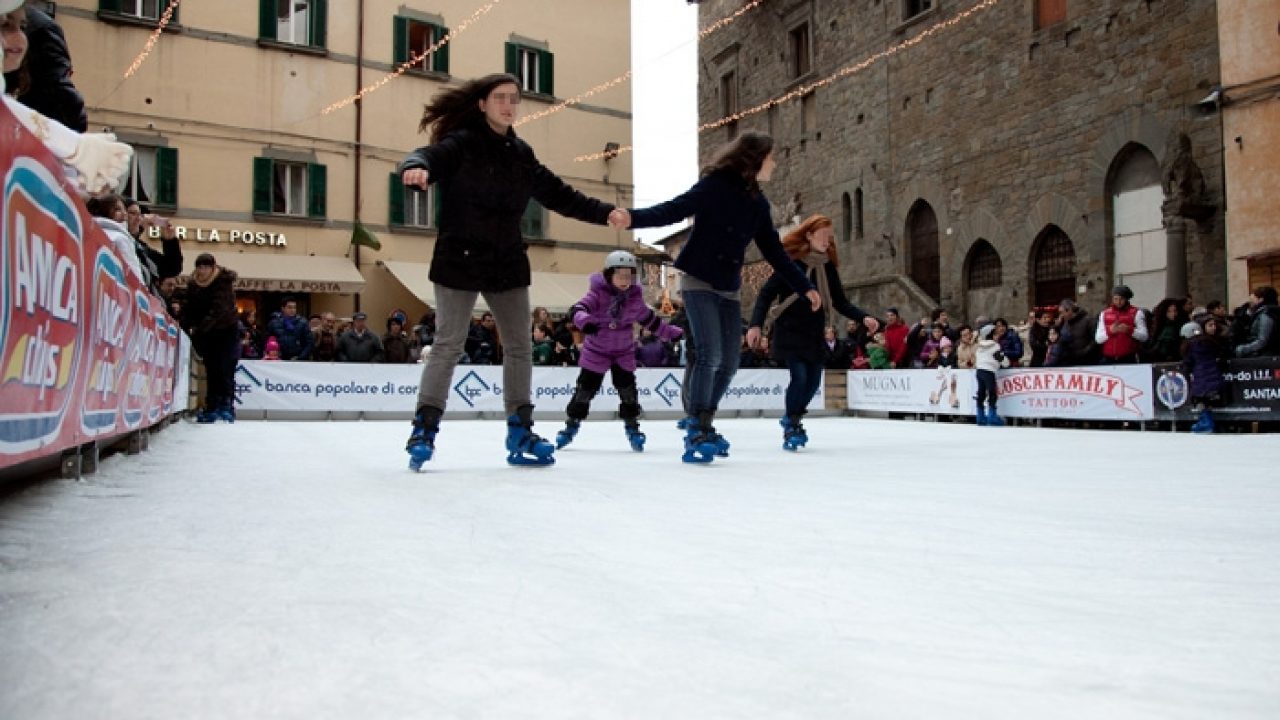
(531, 223)
(985, 268)
(296, 22)
(1050, 12)
(808, 113)
(412, 206)
(1053, 267)
(152, 178)
(289, 188)
(912, 8)
(925, 258)
(534, 67)
(412, 38)
(801, 56)
(846, 217)
(858, 228)
(729, 100)
(141, 9)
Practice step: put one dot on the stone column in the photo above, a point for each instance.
(1175, 276)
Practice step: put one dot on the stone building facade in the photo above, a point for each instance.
(1025, 153)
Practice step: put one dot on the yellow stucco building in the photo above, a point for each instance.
(1250, 102)
(228, 119)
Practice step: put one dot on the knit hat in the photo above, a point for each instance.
(945, 342)
(1123, 291)
(985, 332)
(205, 260)
(272, 345)
(1191, 330)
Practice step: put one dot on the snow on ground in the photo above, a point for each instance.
(890, 570)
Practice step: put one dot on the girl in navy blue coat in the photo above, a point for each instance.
(1202, 355)
(729, 213)
(798, 329)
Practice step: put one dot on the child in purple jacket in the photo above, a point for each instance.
(607, 316)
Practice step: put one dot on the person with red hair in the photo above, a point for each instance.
(797, 328)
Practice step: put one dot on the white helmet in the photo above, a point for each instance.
(620, 258)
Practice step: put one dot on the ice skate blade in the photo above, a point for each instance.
(518, 459)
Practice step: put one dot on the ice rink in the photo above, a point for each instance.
(889, 570)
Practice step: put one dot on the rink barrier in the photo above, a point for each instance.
(1119, 393)
(88, 356)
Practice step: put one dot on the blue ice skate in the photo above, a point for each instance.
(422, 439)
(981, 417)
(524, 447)
(993, 419)
(698, 446)
(570, 431)
(207, 417)
(794, 436)
(1204, 425)
(635, 437)
(227, 413)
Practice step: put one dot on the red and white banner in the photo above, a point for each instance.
(85, 351)
(1098, 392)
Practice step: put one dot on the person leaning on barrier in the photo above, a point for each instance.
(1077, 331)
(358, 343)
(1263, 315)
(210, 318)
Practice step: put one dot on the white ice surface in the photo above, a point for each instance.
(890, 570)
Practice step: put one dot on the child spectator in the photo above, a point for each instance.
(990, 358)
(1053, 349)
(878, 352)
(946, 358)
(1202, 353)
(271, 351)
(543, 348)
(607, 316)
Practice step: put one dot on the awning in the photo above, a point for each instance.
(554, 291)
(286, 273)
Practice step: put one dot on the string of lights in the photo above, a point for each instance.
(803, 90)
(151, 41)
(415, 59)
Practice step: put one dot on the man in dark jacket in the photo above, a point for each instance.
(1076, 335)
(211, 319)
(358, 343)
(291, 332)
(1263, 337)
(49, 64)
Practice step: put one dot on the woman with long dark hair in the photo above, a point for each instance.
(729, 212)
(797, 329)
(486, 176)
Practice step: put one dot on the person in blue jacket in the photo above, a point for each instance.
(729, 212)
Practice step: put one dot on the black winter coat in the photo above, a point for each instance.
(485, 181)
(798, 330)
(211, 307)
(728, 216)
(52, 94)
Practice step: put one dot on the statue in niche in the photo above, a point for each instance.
(1184, 187)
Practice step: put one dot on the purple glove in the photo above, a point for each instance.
(670, 333)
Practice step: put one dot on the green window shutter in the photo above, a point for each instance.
(319, 23)
(399, 40)
(546, 73)
(513, 59)
(437, 202)
(531, 223)
(167, 176)
(317, 180)
(266, 19)
(440, 61)
(396, 199)
(262, 178)
(112, 6)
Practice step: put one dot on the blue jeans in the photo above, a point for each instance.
(805, 378)
(716, 323)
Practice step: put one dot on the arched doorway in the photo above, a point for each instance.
(983, 280)
(923, 257)
(1053, 267)
(1140, 247)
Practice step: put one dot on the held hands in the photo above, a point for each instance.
(815, 300)
(416, 177)
(753, 337)
(620, 219)
(670, 333)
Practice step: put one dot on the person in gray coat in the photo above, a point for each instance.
(359, 343)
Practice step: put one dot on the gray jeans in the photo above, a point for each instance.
(510, 309)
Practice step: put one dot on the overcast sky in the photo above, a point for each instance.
(664, 53)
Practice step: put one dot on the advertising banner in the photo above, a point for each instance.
(85, 351)
(361, 387)
(1251, 392)
(1098, 392)
(941, 391)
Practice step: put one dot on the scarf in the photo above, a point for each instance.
(813, 261)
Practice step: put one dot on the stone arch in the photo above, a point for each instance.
(1054, 209)
(932, 192)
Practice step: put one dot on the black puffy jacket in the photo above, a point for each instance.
(486, 180)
